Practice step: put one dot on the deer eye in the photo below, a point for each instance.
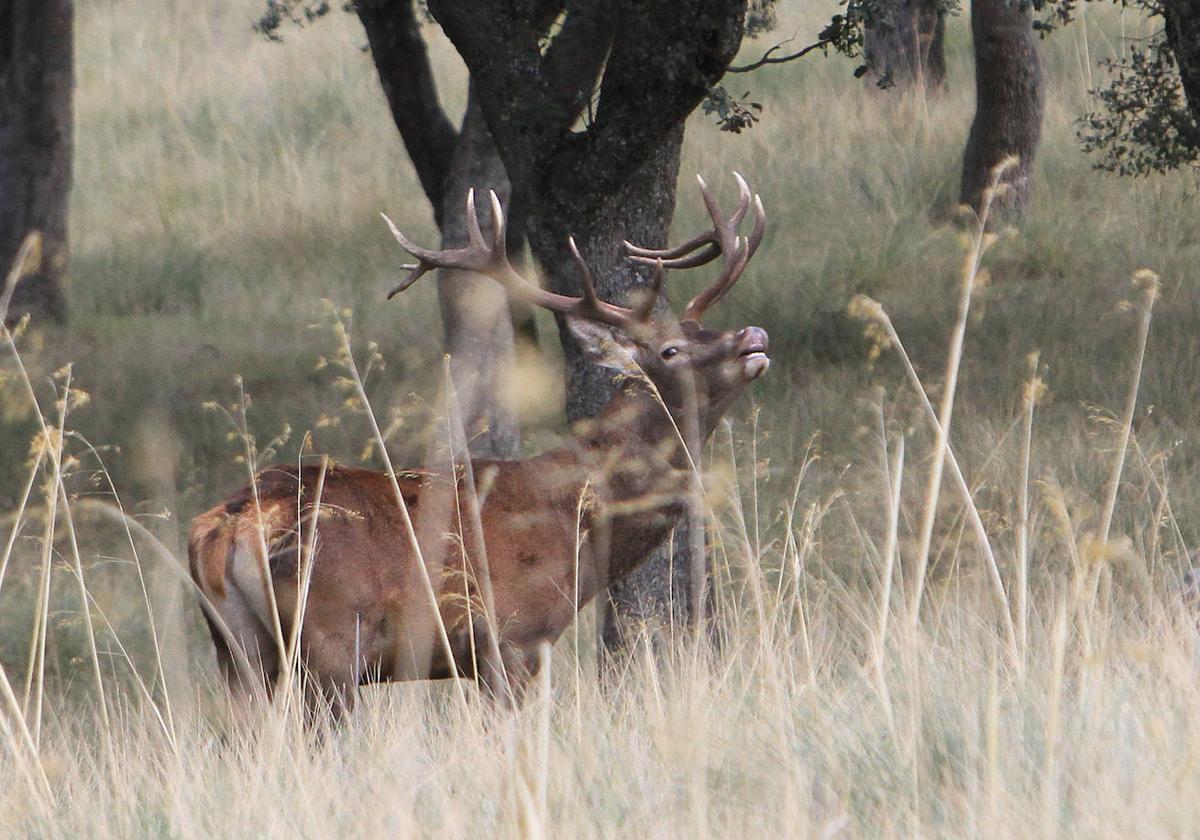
(668, 352)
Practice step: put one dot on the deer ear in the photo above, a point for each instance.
(604, 345)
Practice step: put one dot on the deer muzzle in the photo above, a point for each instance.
(752, 352)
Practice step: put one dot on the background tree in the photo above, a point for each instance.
(1009, 101)
(478, 331)
(36, 143)
(905, 47)
(1182, 32)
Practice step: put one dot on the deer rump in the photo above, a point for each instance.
(365, 591)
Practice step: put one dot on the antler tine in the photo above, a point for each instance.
(499, 242)
(490, 258)
(724, 231)
(721, 230)
(474, 234)
(591, 306)
(590, 299)
(478, 255)
(743, 200)
(649, 255)
(722, 240)
(730, 276)
(415, 270)
(733, 269)
(682, 256)
(646, 308)
(760, 226)
(742, 249)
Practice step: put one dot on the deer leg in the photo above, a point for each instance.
(330, 674)
(329, 699)
(250, 670)
(504, 683)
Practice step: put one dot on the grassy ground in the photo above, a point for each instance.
(226, 186)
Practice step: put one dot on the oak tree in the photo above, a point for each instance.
(636, 70)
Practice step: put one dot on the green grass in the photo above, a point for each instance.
(226, 186)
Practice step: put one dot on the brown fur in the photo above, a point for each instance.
(209, 545)
(619, 483)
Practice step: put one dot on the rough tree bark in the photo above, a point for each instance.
(908, 47)
(36, 144)
(613, 181)
(1183, 35)
(640, 211)
(1009, 101)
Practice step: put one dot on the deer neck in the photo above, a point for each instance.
(640, 475)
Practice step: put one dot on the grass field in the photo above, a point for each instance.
(226, 186)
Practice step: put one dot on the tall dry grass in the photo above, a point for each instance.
(868, 682)
(862, 703)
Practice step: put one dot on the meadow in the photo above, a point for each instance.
(1045, 681)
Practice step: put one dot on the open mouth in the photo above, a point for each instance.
(754, 360)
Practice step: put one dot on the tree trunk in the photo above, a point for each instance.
(36, 143)
(478, 332)
(1009, 100)
(907, 49)
(475, 313)
(660, 593)
(1183, 36)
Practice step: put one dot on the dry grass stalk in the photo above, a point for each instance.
(980, 242)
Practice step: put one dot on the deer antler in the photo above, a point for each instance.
(491, 258)
(722, 241)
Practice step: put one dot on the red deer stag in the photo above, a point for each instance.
(511, 561)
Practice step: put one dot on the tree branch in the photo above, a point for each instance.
(402, 60)
(499, 41)
(665, 58)
(573, 61)
(769, 56)
(1182, 28)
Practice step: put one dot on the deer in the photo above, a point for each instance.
(465, 573)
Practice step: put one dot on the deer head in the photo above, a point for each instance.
(692, 368)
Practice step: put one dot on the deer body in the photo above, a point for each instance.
(511, 555)
(369, 595)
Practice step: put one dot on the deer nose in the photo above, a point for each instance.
(752, 340)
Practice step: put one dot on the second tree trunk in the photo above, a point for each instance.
(907, 49)
(1009, 100)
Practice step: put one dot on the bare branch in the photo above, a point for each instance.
(401, 58)
(769, 56)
